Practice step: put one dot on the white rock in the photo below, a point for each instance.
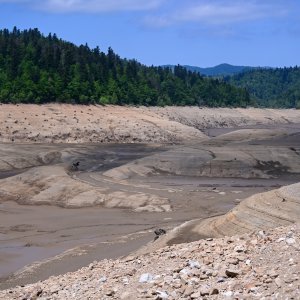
(228, 294)
(239, 249)
(194, 264)
(162, 294)
(194, 280)
(262, 234)
(146, 277)
(174, 294)
(185, 271)
(290, 241)
(103, 279)
(278, 282)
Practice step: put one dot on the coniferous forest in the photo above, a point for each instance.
(37, 69)
(278, 87)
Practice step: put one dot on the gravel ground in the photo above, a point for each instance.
(260, 265)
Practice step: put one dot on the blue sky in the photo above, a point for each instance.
(195, 32)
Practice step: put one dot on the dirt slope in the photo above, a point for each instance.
(57, 123)
(51, 185)
(262, 211)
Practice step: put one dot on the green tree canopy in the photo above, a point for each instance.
(278, 87)
(36, 69)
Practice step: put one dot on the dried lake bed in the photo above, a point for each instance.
(56, 218)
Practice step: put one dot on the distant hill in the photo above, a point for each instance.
(278, 87)
(219, 70)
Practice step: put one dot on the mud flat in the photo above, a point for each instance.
(57, 217)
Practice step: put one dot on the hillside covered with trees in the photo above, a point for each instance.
(271, 87)
(217, 71)
(36, 69)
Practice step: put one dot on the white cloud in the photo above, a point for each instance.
(224, 12)
(90, 6)
(219, 12)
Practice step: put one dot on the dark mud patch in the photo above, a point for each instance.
(106, 157)
(297, 151)
(6, 174)
(272, 167)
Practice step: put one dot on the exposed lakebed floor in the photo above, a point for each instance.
(39, 232)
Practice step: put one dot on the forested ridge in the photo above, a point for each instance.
(279, 87)
(219, 70)
(36, 69)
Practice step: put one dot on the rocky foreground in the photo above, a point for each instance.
(260, 265)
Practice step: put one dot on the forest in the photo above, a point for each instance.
(278, 87)
(35, 68)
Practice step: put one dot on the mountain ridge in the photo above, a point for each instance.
(223, 69)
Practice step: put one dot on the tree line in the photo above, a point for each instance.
(279, 87)
(37, 69)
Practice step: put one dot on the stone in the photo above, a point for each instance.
(275, 275)
(196, 295)
(194, 264)
(185, 271)
(231, 273)
(145, 278)
(162, 295)
(239, 249)
(272, 273)
(188, 290)
(204, 291)
(232, 261)
(209, 272)
(290, 241)
(214, 291)
(220, 279)
(228, 294)
(194, 280)
(110, 293)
